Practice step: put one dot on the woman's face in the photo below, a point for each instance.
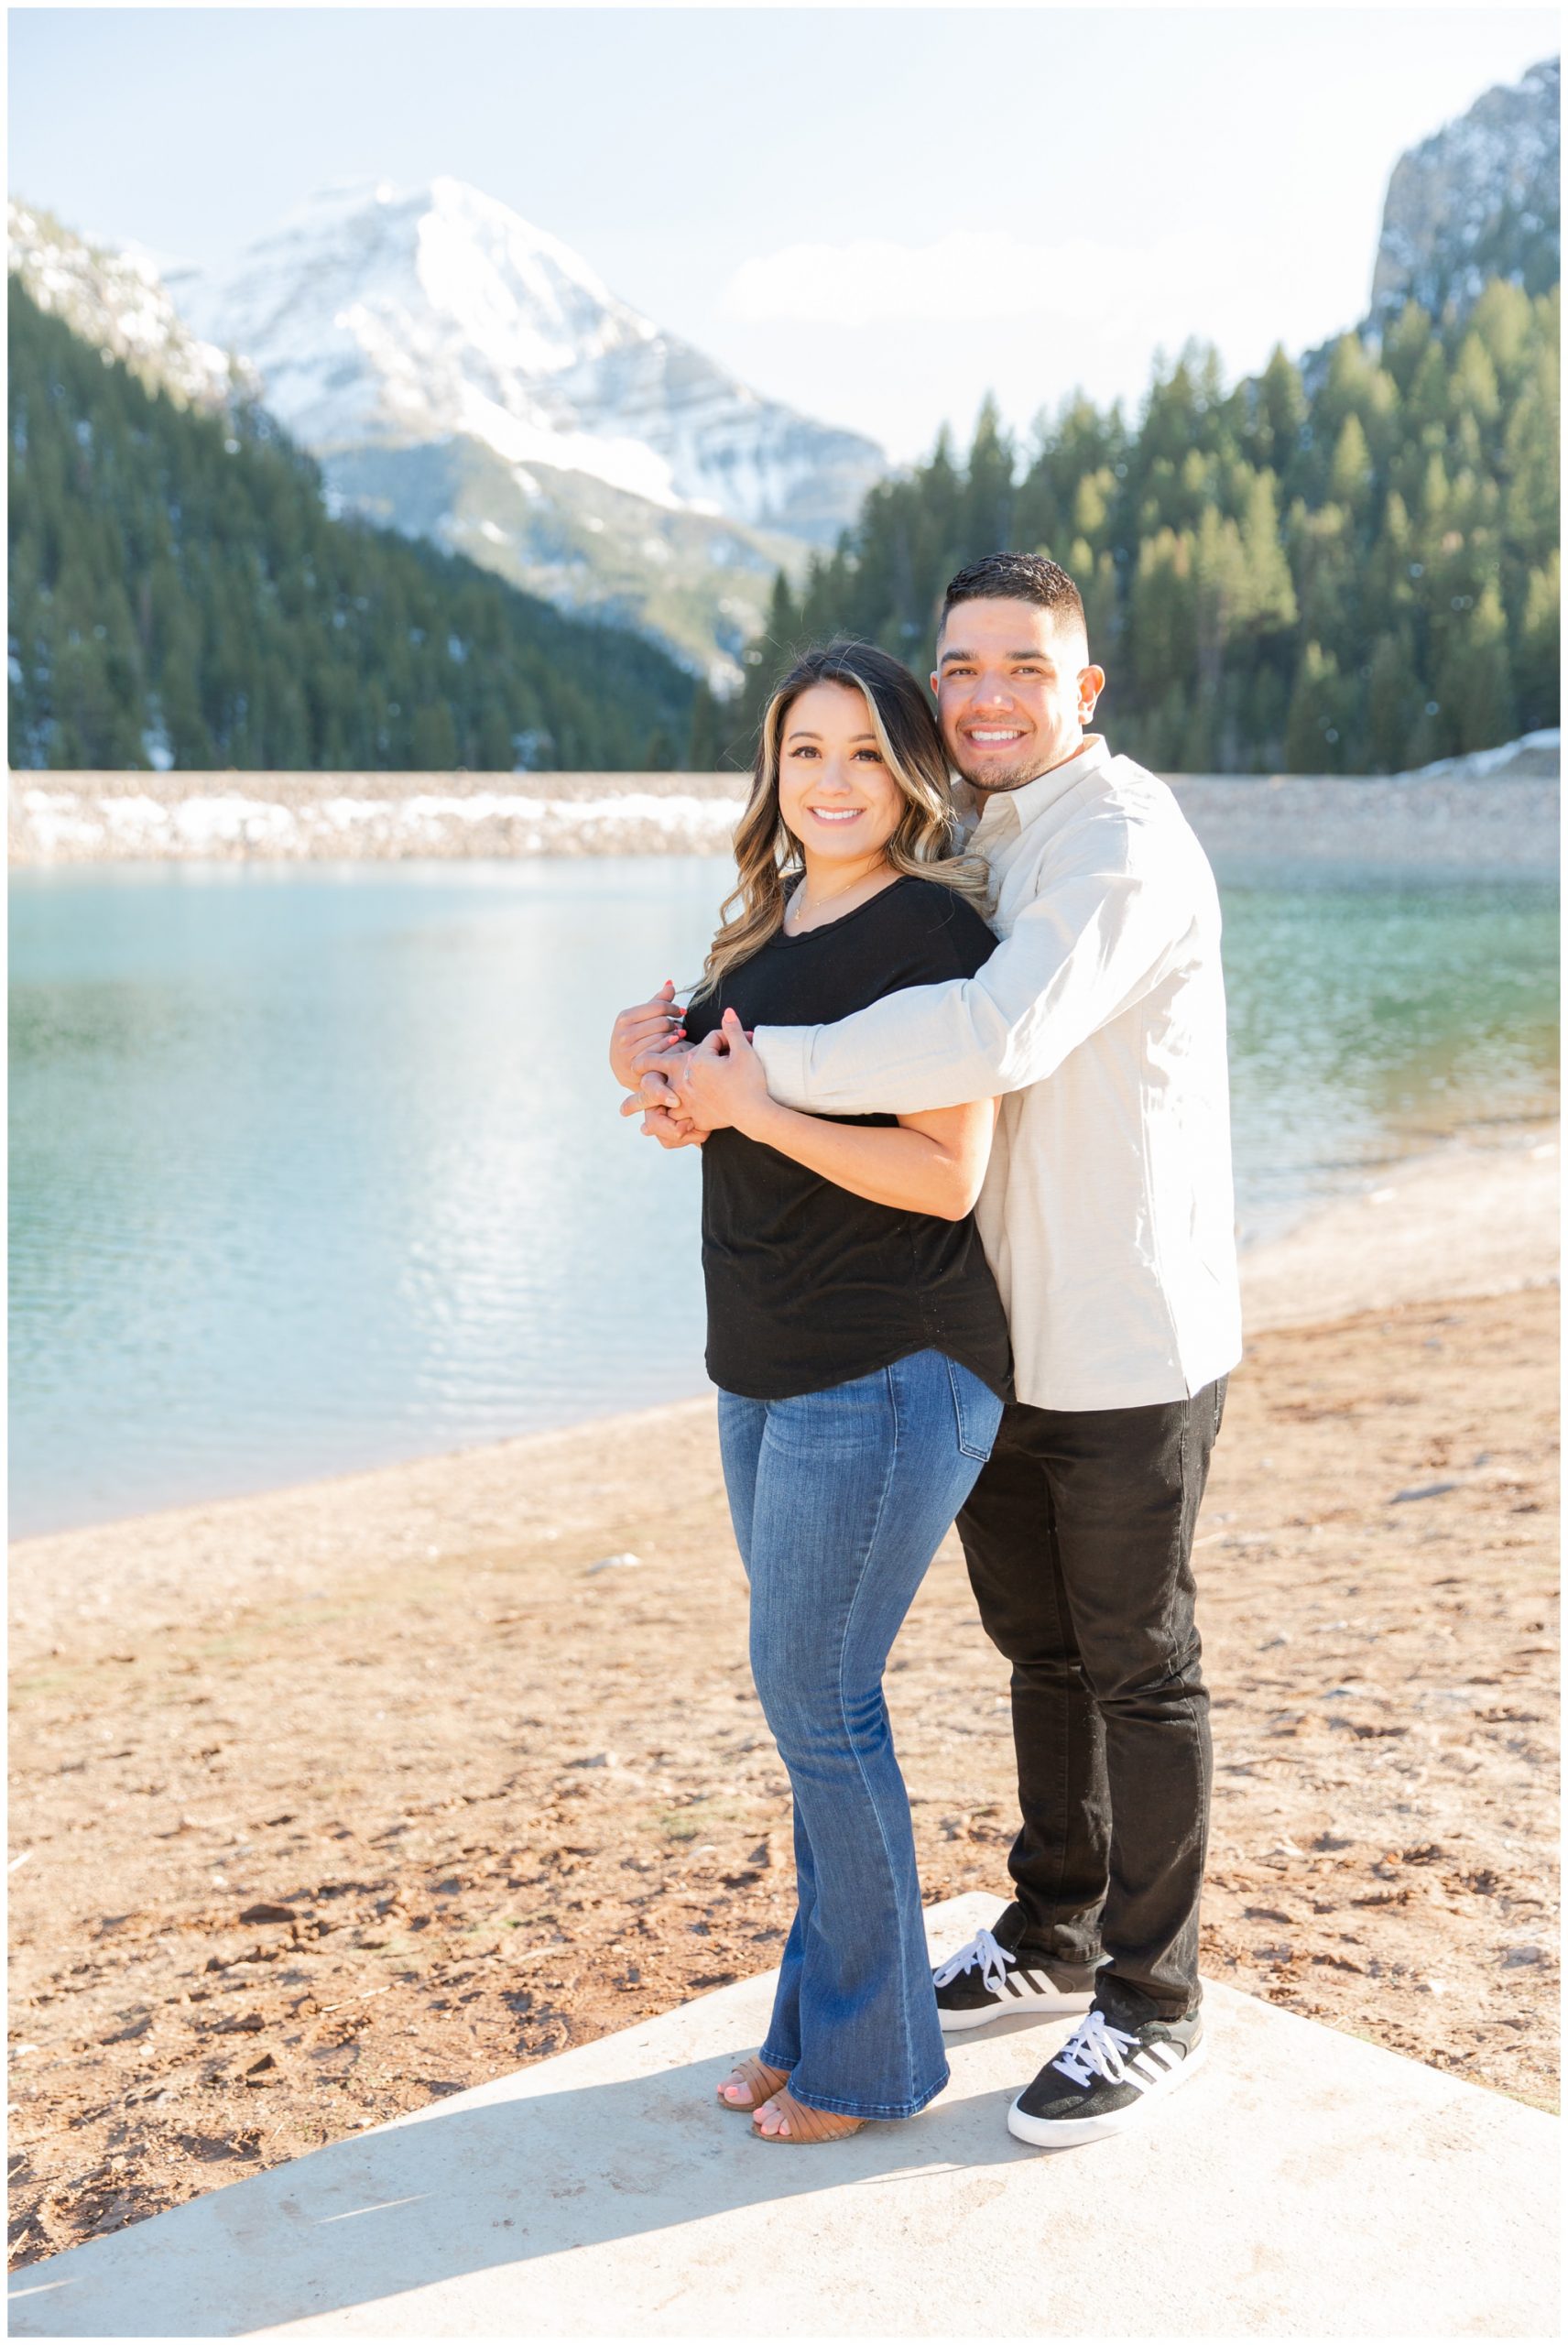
(836, 792)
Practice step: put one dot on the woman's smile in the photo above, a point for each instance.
(830, 745)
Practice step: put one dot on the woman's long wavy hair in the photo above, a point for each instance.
(925, 845)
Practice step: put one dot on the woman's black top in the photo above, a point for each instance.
(810, 1286)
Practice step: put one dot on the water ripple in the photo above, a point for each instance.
(311, 1169)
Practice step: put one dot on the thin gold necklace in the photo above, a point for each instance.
(834, 893)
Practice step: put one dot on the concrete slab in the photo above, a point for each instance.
(1306, 2185)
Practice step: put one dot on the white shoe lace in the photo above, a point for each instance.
(1094, 2049)
(983, 1954)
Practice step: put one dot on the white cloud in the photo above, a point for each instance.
(875, 281)
(910, 335)
(1174, 286)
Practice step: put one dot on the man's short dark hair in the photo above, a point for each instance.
(1017, 578)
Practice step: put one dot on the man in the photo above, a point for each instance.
(1107, 1218)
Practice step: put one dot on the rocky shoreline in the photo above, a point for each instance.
(365, 817)
(1493, 812)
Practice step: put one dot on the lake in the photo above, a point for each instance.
(318, 1166)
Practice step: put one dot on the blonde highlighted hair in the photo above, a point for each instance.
(925, 844)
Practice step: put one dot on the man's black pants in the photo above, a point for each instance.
(1078, 1541)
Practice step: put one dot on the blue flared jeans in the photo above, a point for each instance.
(840, 1499)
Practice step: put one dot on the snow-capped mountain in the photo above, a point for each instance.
(118, 302)
(388, 319)
(462, 376)
(1479, 199)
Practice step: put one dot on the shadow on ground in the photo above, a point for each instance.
(464, 2189)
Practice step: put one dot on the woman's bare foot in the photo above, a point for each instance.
(785, 2119)
(752, 2083)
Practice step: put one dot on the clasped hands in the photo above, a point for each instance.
(684, 1091)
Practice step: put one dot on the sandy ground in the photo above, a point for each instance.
(335, 1800)
(1479, 1216)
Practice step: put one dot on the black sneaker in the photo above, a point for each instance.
(991, 1976)
(1104, 2077)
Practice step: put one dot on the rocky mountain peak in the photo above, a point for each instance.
(1479, 199)
(118, 302)
(389, 318)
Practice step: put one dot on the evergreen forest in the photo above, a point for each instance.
(181, 596)
(1346, 566)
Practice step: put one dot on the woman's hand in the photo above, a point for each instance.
(649, 1026)
(668, 1126)
(721, 1084)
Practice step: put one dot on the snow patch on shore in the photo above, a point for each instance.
(55, 825)
(1493, 811)
(1480, 765)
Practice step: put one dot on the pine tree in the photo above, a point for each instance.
(787, 632)
(1426, 400)
(1433, 738)
(1501, 321)
(1473, 386)
(1219, 577)
(1267, 591)
(1091, 507)
(1372, 508)
(1479, 677)
(1537, 665)
(989, 486)
(1314, 736)
(703, 739)
(1350, 473)
(1405, 344)
(1532, 451)
(1281, 405)
(1163, 629)
(1325, 566)
(1392, 703)
(493, 751)
(179, 591)
(1096, 581)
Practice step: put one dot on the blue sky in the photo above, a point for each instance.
(1023, 200)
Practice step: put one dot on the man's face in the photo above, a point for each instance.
(1014, 691)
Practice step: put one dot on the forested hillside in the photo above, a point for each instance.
(181, 596)
(1351, 569)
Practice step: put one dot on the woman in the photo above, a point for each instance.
(857, 1341)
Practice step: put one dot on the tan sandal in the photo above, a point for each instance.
(760, 2081)
(806, 2125)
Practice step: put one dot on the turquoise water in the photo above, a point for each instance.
(316, 1167)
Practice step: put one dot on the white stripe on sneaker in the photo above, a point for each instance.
(1095, 2054)
(990, 1979)
(1096, 2048)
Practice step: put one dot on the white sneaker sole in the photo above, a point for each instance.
(1049, 2133)
(1015, 2007)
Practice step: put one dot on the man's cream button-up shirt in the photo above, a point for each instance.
(1107, 1214)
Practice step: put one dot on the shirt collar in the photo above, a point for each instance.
(1033, 798)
